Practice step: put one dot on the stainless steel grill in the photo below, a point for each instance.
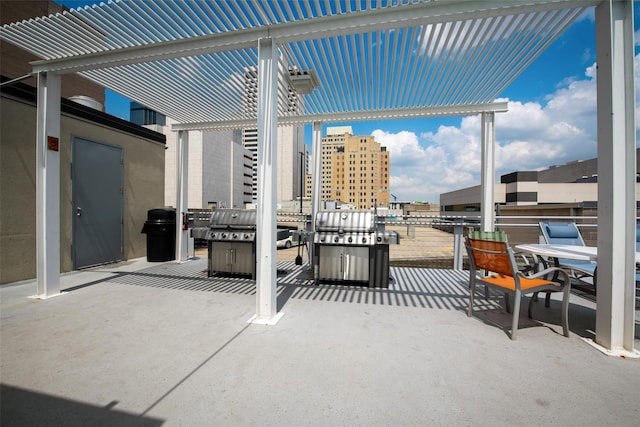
(231, 242)
(351, 246)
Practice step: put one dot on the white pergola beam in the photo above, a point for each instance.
(616, 178)
(48, 185)
(405, 113)
(327, 26)
(266, 263)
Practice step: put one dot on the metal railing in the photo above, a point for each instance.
(420, 246)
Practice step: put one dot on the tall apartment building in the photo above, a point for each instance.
(291, 148)
(290, 142)
(355, 169)
(219, 172)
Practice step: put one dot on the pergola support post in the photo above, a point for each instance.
(316, 181)
(266, 263)
(48, 185)
(182, 195)
(488, 166)
(616, 179)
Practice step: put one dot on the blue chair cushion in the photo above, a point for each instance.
(562, 231)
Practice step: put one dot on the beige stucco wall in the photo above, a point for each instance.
(472, 195)
(143, 180)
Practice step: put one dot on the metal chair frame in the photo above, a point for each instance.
(497, 259)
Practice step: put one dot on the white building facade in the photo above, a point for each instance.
(220, 168)
(290, 146)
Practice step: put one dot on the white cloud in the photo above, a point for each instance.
(529, 136)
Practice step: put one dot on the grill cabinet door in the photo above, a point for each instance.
(344, 263)
(221, 257)
(242, 258)
(330, 267)
(356, 263)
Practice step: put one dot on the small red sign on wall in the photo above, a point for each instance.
(53, 143)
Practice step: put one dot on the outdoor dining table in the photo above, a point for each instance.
(586, 253)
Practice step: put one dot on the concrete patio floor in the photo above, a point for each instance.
(141, 343)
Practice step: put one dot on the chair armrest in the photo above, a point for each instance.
(556, 270)
(526, 262)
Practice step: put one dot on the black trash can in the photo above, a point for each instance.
(160, 229)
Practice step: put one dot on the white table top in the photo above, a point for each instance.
(587, 253)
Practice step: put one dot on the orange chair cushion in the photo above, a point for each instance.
(507, 282)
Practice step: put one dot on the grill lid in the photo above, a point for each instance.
(345, 221)
(233, 219)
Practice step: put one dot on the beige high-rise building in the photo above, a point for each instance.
(355, 169)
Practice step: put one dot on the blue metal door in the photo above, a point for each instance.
(97, 203)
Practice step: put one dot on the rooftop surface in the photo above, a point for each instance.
(142, 343)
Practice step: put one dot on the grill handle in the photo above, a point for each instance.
(345, 273)
(230, 256)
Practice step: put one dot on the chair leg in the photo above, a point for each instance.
(507, 305)
(565, 309)
(472, 289)
(547, 300)
(516, 314)
(486, 292)
(534, 298)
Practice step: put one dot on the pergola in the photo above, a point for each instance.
(249, 63)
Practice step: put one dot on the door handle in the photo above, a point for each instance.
(78, 211)
(347, 266)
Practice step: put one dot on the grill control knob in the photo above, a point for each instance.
(246, 236)
(364, 240)
(335, 239)
(322, 239)
(235, 235)
(350, 239)
(379, 239)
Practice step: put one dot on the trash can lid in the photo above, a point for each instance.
(166, 214)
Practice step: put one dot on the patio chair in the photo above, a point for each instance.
(497, 259)
(567, 233)
(524, 264)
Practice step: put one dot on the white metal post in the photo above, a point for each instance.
(266, 304)
(182, 194)
(316, 179)
(488, 140)
(316, 170)
(48, 185)
(616, 178)
(232, 161)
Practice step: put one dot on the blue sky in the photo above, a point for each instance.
(551, 121)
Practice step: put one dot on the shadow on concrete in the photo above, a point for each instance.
(22, 407)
